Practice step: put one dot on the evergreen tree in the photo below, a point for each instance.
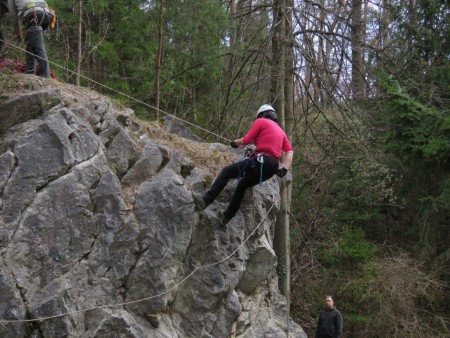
(417, 120)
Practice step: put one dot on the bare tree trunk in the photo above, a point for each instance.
(233, 9)
(79, 42)
(278, 90)
(158, 59)
(412, 20)
(233, 34)
(307, 81)
(288, 126)
(289, 71)
(357, 42)
(366, 88)
(383, 27)
(278, 58)
(320, 62)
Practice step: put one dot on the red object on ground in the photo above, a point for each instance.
(19, 66)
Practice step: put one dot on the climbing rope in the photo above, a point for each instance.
(198, 267)
(260, 159)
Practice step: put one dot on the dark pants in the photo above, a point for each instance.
(249, 171)
(35, 24)
(1, 44)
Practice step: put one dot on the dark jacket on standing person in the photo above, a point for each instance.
(3, 7)
(3, 10)
(330, 324)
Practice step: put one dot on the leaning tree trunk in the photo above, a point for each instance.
(278, 91)
(288, 124)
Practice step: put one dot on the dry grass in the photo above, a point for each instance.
(209, 159)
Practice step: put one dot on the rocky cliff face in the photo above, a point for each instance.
(99, 236)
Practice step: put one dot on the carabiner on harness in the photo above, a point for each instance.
(249, 152)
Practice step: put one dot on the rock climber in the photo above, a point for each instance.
(35, 17)
(270, 142)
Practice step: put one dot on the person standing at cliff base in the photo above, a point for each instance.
(270, 142)
(330, 321)
(35, 18)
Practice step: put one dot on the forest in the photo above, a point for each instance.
(361, 87)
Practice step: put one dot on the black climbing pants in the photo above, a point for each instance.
(35, 24)
(1, 43)
(249, 172)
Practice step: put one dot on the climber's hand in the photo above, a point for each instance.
(233, 144)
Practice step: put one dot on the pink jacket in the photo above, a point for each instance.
(268, 137)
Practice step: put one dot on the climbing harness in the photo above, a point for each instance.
(249, 150)
(259, 157)
(250, 156)
(33, 6)
(35, 21)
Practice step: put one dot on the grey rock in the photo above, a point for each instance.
(125, 117)
(99, 231)
(119, 324)
(7, 162)
(122, 153)
(24, 107)
(176, 126)
(260, 265)
(148, 164)
(164, 211)
(121, 148)
(11, 306)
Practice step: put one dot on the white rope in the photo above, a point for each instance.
(198, 267)
(119, 92)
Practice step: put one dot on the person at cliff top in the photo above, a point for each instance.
(35, 17)
(270, 142)
(330, 321)
(3, 10)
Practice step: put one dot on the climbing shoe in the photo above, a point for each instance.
(199, 201)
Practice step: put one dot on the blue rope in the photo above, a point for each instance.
(261, 175)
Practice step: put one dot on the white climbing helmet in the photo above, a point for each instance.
(264, 108)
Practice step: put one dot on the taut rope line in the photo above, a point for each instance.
(120, 93)
(198, 267)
